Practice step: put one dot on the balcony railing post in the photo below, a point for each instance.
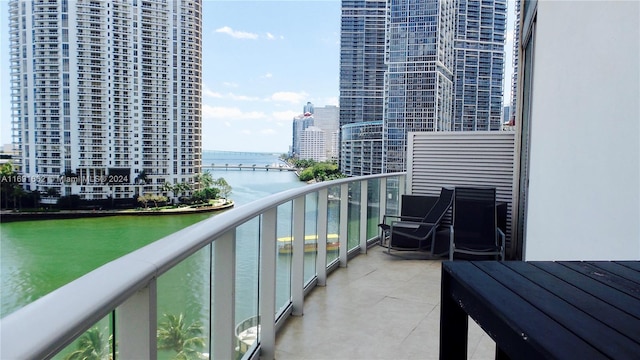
(224, 296)
(137, 323)
(382, 209)
(321, 225)
(297, 258)
(268, 284)
(344, 224)
(364, 199)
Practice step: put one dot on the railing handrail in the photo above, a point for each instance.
(73, 308)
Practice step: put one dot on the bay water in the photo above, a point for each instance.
(36, 257)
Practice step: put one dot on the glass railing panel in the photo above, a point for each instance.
(333, 222)
(284, 251)
(95, 343)
(184, 306)
(247, 284)
(353, 228)
(393, 196)
(310, 236)
(373, 208)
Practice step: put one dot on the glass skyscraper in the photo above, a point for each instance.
(105, 93)
(479, 64)
(362, 67)
(443, 70)
(419, 81)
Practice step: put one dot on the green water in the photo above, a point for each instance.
(36, 257)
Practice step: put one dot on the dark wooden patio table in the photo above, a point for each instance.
(538, 310)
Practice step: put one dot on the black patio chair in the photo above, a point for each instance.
(474, 232)
(419, 234)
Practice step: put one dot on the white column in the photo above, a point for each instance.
(268, 285)
(321, 258)
(224, 296)
(364, 201)
(383, 199)
(344, 223)
(297, 258)
(136, 324)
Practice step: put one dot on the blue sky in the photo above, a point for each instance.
(262, 61)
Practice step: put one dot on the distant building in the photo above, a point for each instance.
(362, 65)
(107, 91)
(516, 59)
(324, 119)
(443, 69)
(300, 124)
(479, 64)
(418, 83)
(506, 114)
(361, 148)
(308, 108)
(327, 118)
(313, 144)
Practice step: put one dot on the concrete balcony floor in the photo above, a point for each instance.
(380, 307)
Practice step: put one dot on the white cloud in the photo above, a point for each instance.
(287, 115)
(288, 96)
(230, 84)
(268, 132)
(270, 36)
(229, 113)
(334, 100)
(237, 34)
(241, 97)
(267, 76)
(210, 93)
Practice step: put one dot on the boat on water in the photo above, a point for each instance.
(285, 244)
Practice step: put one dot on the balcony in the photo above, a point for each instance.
(379, 307)
(394, 301)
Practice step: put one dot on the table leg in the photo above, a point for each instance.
(454, 323)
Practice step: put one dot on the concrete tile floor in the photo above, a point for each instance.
(380, 307)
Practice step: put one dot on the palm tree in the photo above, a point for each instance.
(92, 346)
(141, 179)
(204, 179)
(167, 187)
(174, 334)
(223, 186)
(181, 187)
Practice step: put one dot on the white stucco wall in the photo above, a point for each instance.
(584, 187)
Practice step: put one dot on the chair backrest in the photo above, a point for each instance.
(417, 205)
(435, 215)
(474, 217)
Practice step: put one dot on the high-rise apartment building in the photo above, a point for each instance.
(361, 148)
(479, 64)
(362, 67)
(313, 144)
(516, 59)
(419, 81)
(327, 118)
(324, 119)
(106, 93)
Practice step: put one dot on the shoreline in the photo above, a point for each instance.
(11, 215)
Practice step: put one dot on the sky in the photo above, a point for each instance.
(262, 62)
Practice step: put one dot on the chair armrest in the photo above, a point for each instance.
(411, 223)
(401, 217)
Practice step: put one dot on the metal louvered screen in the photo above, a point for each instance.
(450, 159)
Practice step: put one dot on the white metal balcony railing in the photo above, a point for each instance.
(125, 290)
